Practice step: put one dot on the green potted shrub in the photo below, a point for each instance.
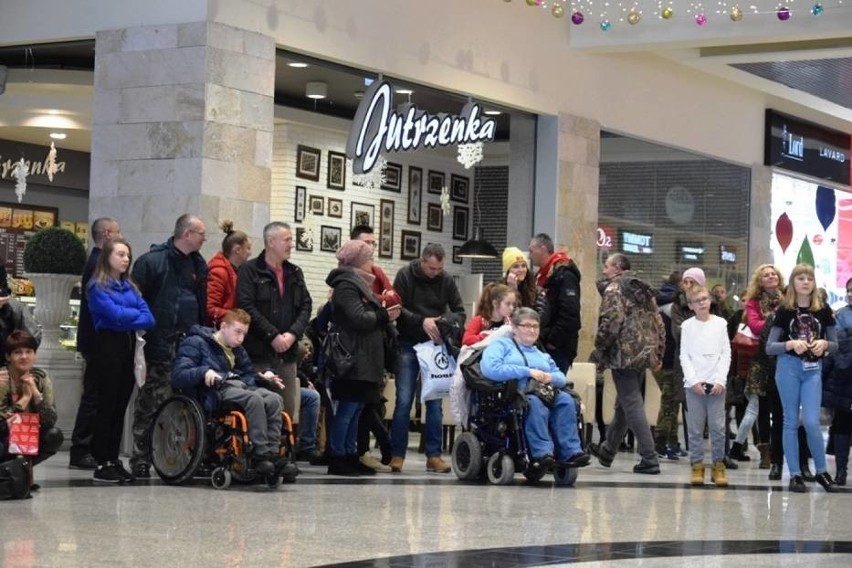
(53, 261)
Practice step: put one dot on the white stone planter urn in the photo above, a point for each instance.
(52, 293)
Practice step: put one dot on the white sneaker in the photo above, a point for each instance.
(374, 464)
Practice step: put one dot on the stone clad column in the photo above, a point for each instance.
(577, 214)
(183, 118)
(760, 219)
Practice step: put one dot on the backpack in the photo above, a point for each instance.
(14, 479)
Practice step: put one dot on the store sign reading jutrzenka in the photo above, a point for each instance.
(378, 127)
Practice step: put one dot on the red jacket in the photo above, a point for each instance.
(381, 283)
(221, 288)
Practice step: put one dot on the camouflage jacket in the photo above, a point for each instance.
(630, 334)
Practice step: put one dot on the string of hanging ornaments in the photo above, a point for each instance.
(608, 13)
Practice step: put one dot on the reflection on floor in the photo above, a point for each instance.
(419, 519)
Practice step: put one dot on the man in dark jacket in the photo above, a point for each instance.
(172, 278)
(432, 309)
(630, 339)
(559, 277)
(212, 367)
(272, 290)
(104, 229)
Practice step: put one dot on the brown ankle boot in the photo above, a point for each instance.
(719, 475)
(764, 456)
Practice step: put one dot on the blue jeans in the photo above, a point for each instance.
(406, 385)
(750, 416)
(561, 420)
(705, 409)
(343, 437)
(800, 388)
(309, 416)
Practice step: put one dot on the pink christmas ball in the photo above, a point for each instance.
(700, 19)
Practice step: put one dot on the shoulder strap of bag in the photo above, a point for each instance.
(521, 352)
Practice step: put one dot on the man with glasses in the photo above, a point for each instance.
(104, 230)
(630, 339)
(172, 278)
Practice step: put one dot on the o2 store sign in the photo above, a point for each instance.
(806, 148)
(378, 127)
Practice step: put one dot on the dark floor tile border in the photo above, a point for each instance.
(522, 556)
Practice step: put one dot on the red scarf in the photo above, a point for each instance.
(544, 272)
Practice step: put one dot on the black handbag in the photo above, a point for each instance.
(339, 360)
(545, 392)
(14, 479)
(390, 343)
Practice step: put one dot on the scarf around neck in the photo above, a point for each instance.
(556, 259)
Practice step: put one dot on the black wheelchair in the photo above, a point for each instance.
(186, 443)
(493, 444)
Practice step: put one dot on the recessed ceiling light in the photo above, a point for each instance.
(405, 92)
(297, 64)
(58, 135)
(493, 112)
(316, 90)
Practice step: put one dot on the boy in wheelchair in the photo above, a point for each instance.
(550, 421)
(213, 367)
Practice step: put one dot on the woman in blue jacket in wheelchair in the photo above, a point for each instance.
(550, 427)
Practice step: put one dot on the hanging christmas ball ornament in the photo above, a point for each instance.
(577, 18)
(817, 9)
(633, 17)
(558, 11)
(668, 13)
(700, 19)
(539, 3)
(532, 2)
(606, 25)
(736, 14)
(783, 13)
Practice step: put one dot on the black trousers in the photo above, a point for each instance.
(371, 420)
(81, 436)
(111, 364)
(49, 442)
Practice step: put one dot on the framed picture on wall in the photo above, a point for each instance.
(330, 238)
(386, 212)
(415, 194)
(461, 216)
(436, 182)
(393, 177)
(335, 207)
(316, 204)
(303, 241)
(336, 175)
(362, 214)
(460, 188)
(301, 198)
(410, 247)
(308, 162)
(434, 217)
(456, 258)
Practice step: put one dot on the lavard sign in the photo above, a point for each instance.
(378, 127)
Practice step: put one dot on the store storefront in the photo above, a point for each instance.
(811, 217)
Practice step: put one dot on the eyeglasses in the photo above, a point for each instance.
(202, 233)
(529, 326)
(700, 300)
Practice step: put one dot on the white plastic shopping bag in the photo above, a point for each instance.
(436, 370)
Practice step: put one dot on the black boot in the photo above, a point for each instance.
(340, 465)
(774, 472)
(737, 453)
(807, 474)
(841, 457)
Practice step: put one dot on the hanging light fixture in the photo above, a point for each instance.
(477, 247)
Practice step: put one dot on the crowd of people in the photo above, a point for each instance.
(243, 330)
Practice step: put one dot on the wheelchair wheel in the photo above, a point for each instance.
(221, 478)
(565, 476)
(534, 474)
(177, 439)
(467, 457)
(500, 469)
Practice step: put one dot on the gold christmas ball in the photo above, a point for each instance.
(531, 3)
(668, 13)
(633, 18)
(558, 11)
(736, 14)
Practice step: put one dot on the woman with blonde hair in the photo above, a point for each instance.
(803, 332)
(762, 298)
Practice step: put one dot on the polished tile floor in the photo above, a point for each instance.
(612, 517)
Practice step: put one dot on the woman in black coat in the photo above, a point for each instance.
(360, 321)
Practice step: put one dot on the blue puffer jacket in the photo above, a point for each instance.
(117, 306)
(198, 353)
